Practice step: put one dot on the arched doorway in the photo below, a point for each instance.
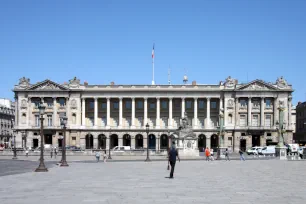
(214, 142)
(102, 142)
(126, 140)
(152, 141)
(139, 141)
(164, 142)
(201, 142)
(243, 145)
(89, 141)
(113, 140)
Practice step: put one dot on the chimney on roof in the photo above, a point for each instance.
(85, 83)
(194, 83)
(112, 83)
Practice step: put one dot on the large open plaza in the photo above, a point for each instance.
(272, 181)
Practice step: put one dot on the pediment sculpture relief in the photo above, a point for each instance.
(230, 82)
(257, 86)
(281, 82)
(47, 86)
(24, 82)
(74, 83)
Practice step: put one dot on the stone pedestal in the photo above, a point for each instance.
(187, 147)
(281, 153)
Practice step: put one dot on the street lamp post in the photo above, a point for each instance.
(15, 150)
(64, 126)
(41, 167)
(169, 139)
(147, 131)
(109, 145)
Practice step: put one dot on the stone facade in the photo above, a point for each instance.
(300, 134)
(103, 116)
(7, 116)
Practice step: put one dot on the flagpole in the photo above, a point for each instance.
(153, 56)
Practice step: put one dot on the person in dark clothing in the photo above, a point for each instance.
(173, 153)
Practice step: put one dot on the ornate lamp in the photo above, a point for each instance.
(147, 131)
(64, 126)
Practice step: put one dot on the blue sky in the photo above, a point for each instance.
(107, 40)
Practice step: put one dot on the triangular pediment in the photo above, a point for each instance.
(48, 85)
(257, 85)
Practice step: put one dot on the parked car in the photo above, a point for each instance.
(121, 148)
(268, 150)
(254, 150)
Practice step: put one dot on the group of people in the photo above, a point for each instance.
(98, 155)
(209, 153)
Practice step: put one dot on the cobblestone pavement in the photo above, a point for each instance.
(215, 182)
(10, 167)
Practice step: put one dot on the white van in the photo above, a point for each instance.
(268, 150)
(121, 148)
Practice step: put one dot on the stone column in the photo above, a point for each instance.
(145, 145)
(220, 103)
(170, 113)
(120, 112)
(157, 113)
(195, 120)
(262, 112)
(108, 112)
(133, 142)
(29, 112)
(145, 112)
(183, 107)
(96, 112)
(208, 141)
(83, 111)
(133, 112)
(289, 113)
(95, 142)
(275, 116)
(208, 113)
(249, 111)
(237, 112)
(120, 141)
(54, 113)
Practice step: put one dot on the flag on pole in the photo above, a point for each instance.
(153, 52)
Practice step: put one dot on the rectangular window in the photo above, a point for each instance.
(49, 120)
(230, 141)
(242, 121)
(91, 105)
(243, 103)
(36, 103)
(116, 105)
(49, 102)
(128, 104)
(62, 102)
(213, 104)
(268, 103)
(201, 104)
(177, 104)
(164, 105)
(139, 104)
(255, 120)
(152, 105)
(103, 105)
(73, 138)
(268, 120)
(188, 104)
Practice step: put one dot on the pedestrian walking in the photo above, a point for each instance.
(212, 154)
(27, 152)
(207, 154)
(55, 152)
(104, 156)
(226, 155)
(98, 156)
(241, 155)
(51, 152)
(173, 154)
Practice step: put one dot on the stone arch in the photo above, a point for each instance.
(152, 141)
(201, 142)
(101, 141)
(89, 141)
(164, 141)
(139, 141)
(113, 140)
(214, 142)
(126, 140)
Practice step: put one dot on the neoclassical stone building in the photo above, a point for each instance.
(103, 116)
